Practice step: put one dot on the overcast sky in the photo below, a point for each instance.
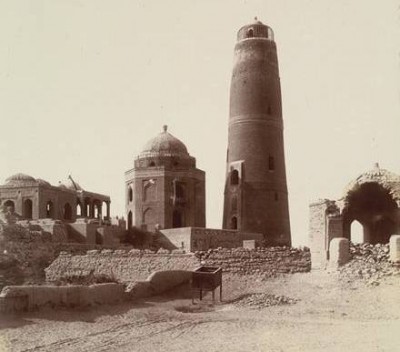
(85, 83)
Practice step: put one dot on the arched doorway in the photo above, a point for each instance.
(9, 206)
(374, 208)
(79, 209)
(148, 218)
(28, 207)
(49, 209)
(177, 219)
(234, 177)
(67, 212)
(356, 232)
(130, 220)
(234, 223)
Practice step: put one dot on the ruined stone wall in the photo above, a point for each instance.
(318, 232)
(204, 239)
(193, 239)
(121, 265)
(22, 298)
(26, 251)
(269, 261)
(134, 265)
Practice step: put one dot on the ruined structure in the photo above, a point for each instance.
(370, 202)
(256, 197)
(165, 189)
(67, 211)
(33, 199)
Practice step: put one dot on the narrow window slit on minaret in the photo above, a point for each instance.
(234, 177)
(271, 163)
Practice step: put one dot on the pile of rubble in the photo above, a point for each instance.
(369, 263)
(263, 300)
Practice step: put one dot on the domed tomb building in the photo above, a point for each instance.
(33, 199)
(165, 189)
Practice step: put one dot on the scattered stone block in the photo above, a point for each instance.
(249, 244)
(339, 251)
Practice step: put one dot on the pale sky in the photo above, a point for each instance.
(85, 83)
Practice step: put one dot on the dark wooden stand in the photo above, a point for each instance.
(207, 278)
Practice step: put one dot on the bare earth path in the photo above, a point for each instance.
(330, 316)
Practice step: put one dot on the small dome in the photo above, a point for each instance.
(165, 144)
(42, 182)
(19, 179)
(71, 184)
(255, 30)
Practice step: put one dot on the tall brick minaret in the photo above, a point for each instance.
(256, 197)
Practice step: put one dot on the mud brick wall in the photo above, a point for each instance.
(26, 251)
(120, 265)
(269, 261)
(20, 298)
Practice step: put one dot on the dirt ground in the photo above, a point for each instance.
(325, 314)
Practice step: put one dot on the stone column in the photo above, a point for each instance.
(91, 209)
(339, 252)
(108, 210)
(394, 246)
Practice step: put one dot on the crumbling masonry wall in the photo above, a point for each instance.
(129, 266)
(123, 266)
(325, 224)
(269, 261)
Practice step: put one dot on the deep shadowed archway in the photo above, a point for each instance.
(374, 208)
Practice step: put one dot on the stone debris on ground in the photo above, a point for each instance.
(263, 300)
(369, 263)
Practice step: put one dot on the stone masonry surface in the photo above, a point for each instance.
(25, 252)
(135, 265)
(123, 266)
(269, 262)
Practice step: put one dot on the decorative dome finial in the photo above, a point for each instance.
(255, 18)
(376, 165)
(165, 128)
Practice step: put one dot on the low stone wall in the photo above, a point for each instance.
(22, 298)
(192, 239)
(269, 261)
(26, 250)
(134, 265)
(119, 265)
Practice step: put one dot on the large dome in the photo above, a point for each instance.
(19, 179)
(385, 178)
(165, 144)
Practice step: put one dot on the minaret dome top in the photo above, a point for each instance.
(255, 30)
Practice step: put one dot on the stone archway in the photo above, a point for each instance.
(10, 206)
(130, 220)
(67, 212)
(28, 209)
(374, 208)
(177, 219)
